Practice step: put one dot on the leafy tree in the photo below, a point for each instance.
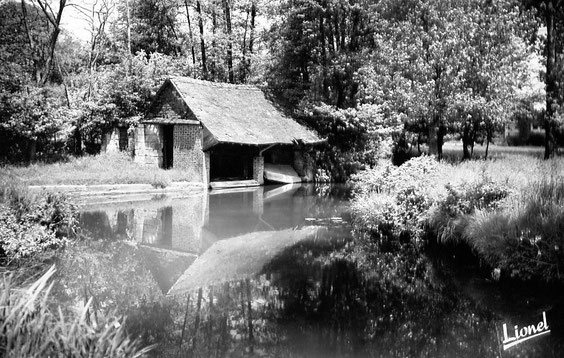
(494, 62)
(29, 102)
(551, 13)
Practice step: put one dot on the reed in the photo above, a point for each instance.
(31, 327)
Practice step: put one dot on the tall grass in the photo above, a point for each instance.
(525, 237)
(106, 168)
(510, 211)
(30, 327)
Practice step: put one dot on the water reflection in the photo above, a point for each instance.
(192, 224)
(173, 232)
(200, 278)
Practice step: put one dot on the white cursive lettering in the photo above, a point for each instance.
(524, 333)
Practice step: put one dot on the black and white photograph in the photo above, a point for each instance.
(282, 178)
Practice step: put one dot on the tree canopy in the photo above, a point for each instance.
(361, 72)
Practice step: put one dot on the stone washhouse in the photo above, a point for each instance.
(223, 135)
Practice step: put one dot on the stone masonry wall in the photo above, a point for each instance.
(208, 163)
(188, 154)
(149, 145)
(258, 169)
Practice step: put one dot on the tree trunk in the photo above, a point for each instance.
(252, 35)
(466, 142)
(488, 140)
(190, 32)
(551, 88)
(244, 61)
(32, 149)
(227, 12)
(323, 41)
(128, 34)
(433, 133)
(214, 52)
(202, 41)
(336, 31)
(440, 140)
(43, 59)
(77, 140)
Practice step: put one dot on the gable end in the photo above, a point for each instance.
(169, 104)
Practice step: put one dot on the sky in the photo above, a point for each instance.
(76, 23)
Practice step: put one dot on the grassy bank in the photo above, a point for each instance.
(509, 211)
(33, 227)
(114, 168)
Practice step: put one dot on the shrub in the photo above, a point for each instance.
(31, 223)
(29, 327)
(525, 237)
(19, 239)
(449, 215)
(510, 212)
(387, 178)
(396, 197)
(160, 181)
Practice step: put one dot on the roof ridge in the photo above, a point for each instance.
(214, 84)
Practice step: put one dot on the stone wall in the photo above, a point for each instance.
(149, 145)
(188, 154)
(258, 169)
(208, 163)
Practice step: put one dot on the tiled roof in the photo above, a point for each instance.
(238, 114)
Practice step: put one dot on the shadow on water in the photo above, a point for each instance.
(297, 295)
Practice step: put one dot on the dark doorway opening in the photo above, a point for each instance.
(279, 155)
(230, 167)
(123, 139)
(231, 162)
(168, 146)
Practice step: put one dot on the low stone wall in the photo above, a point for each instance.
(88, 194)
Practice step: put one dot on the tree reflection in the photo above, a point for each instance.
(319, 298)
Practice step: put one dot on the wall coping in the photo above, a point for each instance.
(121, 189)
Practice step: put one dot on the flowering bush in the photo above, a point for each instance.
(398, 198)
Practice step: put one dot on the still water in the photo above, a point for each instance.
(275, 272)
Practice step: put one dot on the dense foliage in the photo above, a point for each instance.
(359, 72)
(510, 217)
(31, 223)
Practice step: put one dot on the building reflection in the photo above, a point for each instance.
(174, 231)
(192, 224)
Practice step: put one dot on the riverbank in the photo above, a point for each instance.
(102, 169)
(34, 227)
(111, 193)
(509, 212)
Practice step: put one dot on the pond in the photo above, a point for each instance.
(274, 271)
